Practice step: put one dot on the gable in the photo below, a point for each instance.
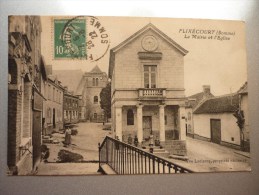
(150, 30)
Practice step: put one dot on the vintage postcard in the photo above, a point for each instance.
(92, 95)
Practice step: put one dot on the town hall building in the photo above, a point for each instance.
(147, 86)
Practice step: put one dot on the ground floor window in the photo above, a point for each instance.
(130, 117)
(95, 99)
(95, 115)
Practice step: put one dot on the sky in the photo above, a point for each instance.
(220, 64)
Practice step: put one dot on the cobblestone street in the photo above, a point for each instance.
(203, 156)
(84, 143)
(209, 157)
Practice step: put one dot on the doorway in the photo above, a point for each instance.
(54, 118)
(36, 137)
(147, 126)
(215, 128)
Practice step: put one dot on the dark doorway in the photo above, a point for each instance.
(54, 118)
(36, 137)
(215, 128)
(147, 126)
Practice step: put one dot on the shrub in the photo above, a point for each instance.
(67, 156)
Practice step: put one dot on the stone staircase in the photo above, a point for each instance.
(167, 145)
(161, 152)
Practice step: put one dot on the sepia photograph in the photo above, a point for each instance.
(102, 95)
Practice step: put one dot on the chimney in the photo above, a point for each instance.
(206, 90)
(65, 87)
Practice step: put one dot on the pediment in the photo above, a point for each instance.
(149, 42)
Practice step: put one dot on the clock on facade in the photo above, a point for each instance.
(149, 43)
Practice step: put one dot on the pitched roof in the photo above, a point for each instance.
(69, 78)
(149, 26)
(221, 104)
(195, 99)
(96, 69)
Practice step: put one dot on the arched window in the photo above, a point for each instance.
(130, 117)
(96, 81)
(95, 99)
(95, 115)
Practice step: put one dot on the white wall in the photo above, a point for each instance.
(128, 67)
(229, 126)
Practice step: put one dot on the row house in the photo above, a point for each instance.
(224, 120)
(89, 88)
(70, 107)
(26, 77)
(53, 106)
(147, 86)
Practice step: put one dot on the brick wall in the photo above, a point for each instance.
(14, 126)
(27, 110)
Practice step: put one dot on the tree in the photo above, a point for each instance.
(105, 96)
(239, 114)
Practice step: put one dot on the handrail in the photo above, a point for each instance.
(128, 159)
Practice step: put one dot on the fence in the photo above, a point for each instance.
(127, 159)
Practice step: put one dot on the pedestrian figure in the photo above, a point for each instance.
(136, 141)
(151, 140)
(44, 153)
(68, 137)
(157, 141)
(129, 139)
(44, 127)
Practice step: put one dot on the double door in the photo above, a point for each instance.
(147, 126)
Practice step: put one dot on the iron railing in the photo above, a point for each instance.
(127, 159)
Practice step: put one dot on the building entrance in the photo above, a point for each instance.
(147, 126)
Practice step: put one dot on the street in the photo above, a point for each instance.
(210, 157)
(203, 156)
(84, 143)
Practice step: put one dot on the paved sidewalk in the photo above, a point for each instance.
(68, 169)
(210, 157)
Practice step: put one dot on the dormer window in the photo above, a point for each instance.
(150, 76)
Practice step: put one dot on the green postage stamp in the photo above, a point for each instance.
(80, 37)
(69, 38)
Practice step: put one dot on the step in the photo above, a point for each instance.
(107, 170)
(162, 154)
(159, 150)
(185, 158)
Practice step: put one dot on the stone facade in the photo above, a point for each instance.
(89, 88)
(147, 76)
(53, 106)
(25, 94)
(71, 107)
